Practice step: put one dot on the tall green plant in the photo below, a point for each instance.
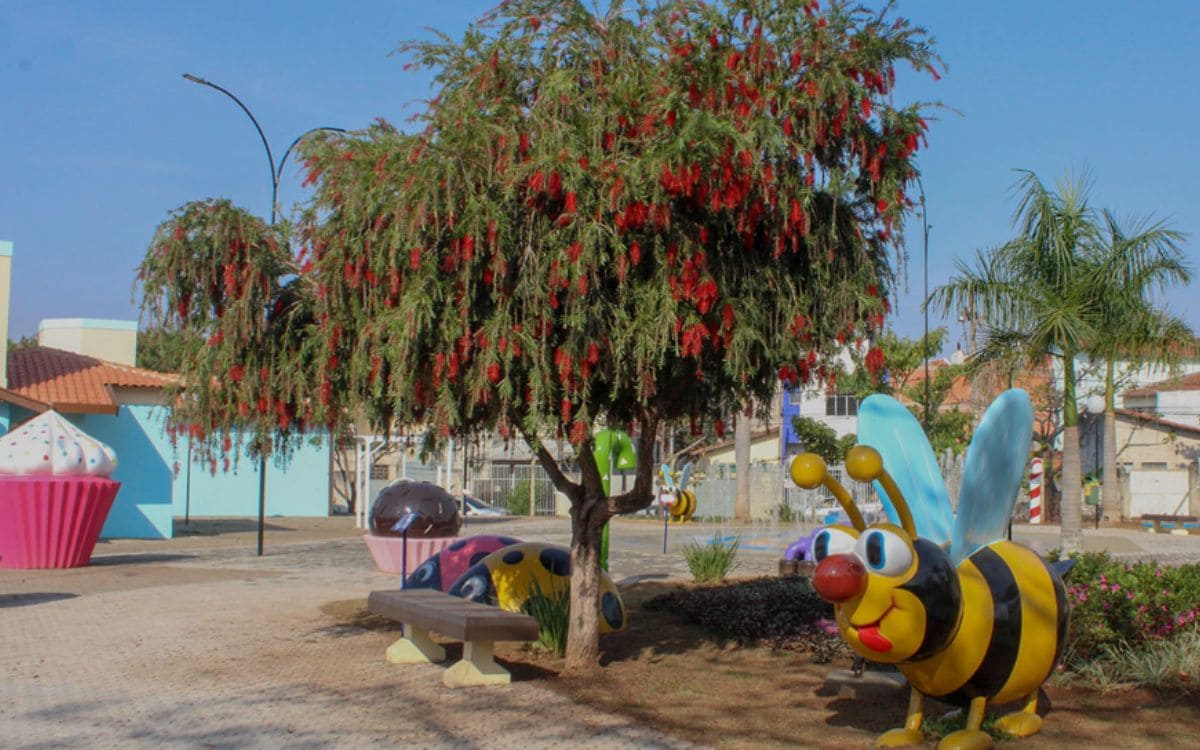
(1140, 256)
(713, 561)
(1035, 297)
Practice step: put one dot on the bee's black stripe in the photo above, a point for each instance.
(935, 584)
(997, 665)
(1063, 613)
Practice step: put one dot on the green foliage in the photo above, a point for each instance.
(1119, 605)
(937, 727)
(601, 207)
(818, 437)
(517, 499)
(713, 561)
(552, 611)
(22, 343)
(164, 350)
(776, 612)
(224, 280)
(784, 513)
(1171, 665)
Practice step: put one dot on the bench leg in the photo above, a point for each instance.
(477, 667)
(416, 647)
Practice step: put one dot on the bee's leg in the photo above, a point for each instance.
(972, 737)
(910, 735)
(1022, 723)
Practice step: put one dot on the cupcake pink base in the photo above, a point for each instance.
(388, 551)
(52, 522)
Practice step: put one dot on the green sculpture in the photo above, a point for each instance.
(614, 450)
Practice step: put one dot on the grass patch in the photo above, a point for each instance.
(713, 561)
(937, 727)
(1168, 665)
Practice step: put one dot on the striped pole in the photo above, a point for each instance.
(1035, 491)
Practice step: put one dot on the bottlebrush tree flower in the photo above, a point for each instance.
(227, 281)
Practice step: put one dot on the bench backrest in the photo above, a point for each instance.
(452, 616)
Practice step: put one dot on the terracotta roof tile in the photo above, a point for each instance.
(1186, 383)
(1138, 416)
(73, 382)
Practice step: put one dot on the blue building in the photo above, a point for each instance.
(83, 368)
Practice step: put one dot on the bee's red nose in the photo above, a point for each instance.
(839, 578)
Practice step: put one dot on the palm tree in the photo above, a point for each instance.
(1140, 256)
(1037, 291)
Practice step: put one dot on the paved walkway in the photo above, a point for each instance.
(197, 642)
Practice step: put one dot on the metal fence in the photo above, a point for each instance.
(773, 496)
(514, 488)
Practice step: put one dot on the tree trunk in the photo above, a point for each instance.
(583, 633)
(1110, 497)
(741, 457)
(1072, 472)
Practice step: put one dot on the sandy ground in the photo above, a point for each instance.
(197, 642)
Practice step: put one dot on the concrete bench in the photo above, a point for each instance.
(1172, 524)
(478, 626)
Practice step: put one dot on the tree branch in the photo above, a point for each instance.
(640, 496)
(548, 462)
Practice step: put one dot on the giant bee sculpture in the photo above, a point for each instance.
(967, 616)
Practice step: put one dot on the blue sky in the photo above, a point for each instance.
(100, 136)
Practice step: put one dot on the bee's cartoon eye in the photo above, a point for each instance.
(834, 540)
(884, 552)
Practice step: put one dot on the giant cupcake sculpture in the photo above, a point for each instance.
(55, 493)
(436, 525)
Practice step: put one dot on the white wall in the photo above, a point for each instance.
(1161, 492)
(1179, 406)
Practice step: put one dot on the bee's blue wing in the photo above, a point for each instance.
(685, 476)
(992, 476)
(890, 428)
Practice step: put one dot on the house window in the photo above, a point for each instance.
(379, 471)
(841, 405)
(796, 397)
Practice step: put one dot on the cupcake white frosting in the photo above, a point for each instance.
(49, 444)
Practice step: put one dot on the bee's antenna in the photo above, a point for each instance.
(866, 465)
(808, 471)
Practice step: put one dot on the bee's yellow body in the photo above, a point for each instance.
(1014, 619)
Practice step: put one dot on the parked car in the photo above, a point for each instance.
(476, 507)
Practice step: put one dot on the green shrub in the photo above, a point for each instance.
(552, 612)
(784, 513)
(517, 500)
(713, 561)
(775, 612)
(1118, 606)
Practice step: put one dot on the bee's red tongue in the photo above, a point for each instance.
(873, 639)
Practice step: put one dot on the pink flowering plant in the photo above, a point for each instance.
(1127, 604)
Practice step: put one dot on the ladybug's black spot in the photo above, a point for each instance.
(610, 607)
(513, 557)
(475, 558)
(556, 561)
(476, 586)
(455, 546)
(428, 575)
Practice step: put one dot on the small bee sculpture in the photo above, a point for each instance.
(679, 501)
(967, 616)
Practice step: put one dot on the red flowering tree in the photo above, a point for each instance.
(226, 281)
(623, 218)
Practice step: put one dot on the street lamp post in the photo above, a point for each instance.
(925, 304)
(276, 175)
